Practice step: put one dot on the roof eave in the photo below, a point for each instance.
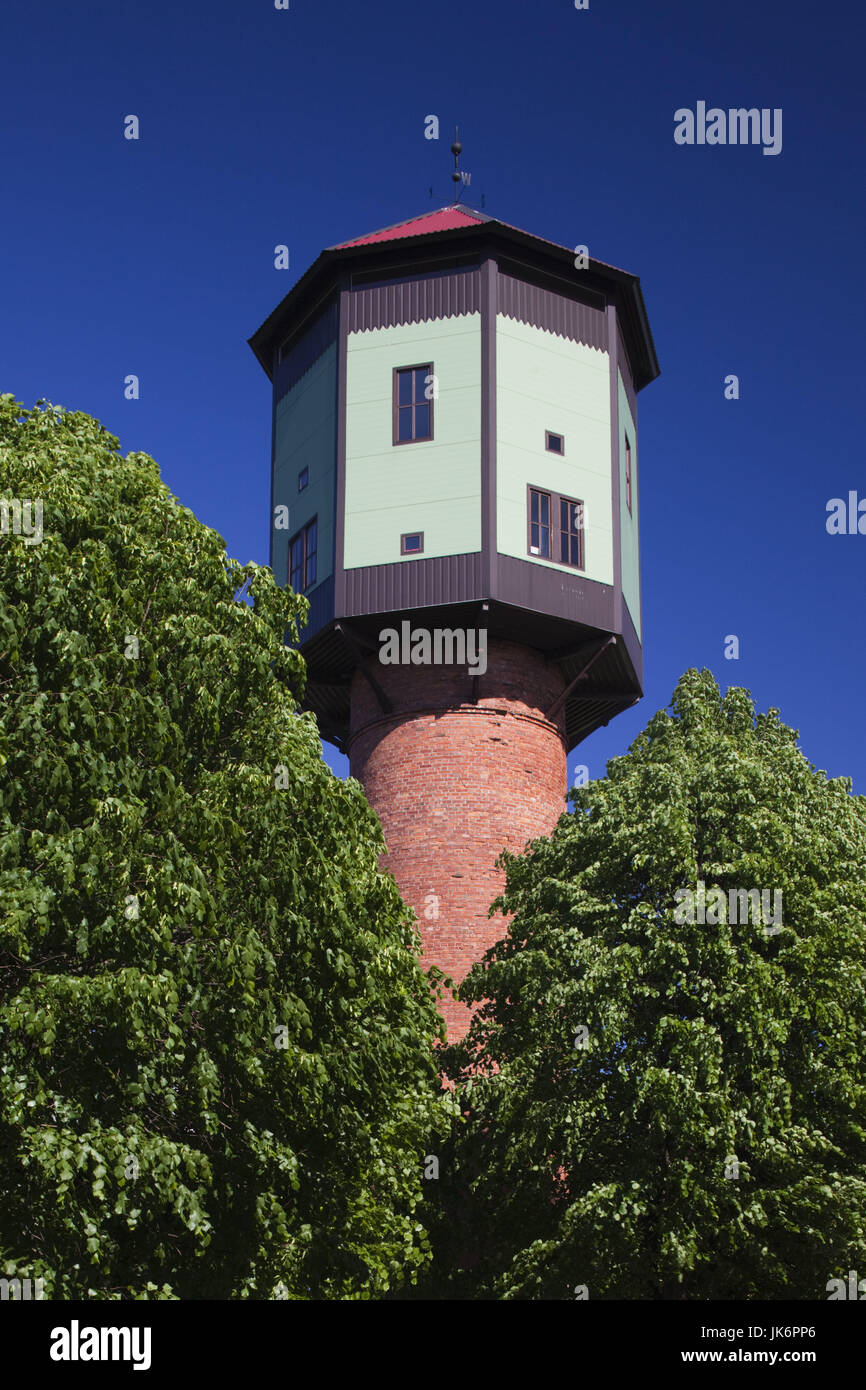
(266, 330)
(261, 341)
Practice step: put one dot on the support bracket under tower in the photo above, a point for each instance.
(361, 658)
(561, 699)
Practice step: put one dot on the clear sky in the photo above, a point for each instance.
(306, 127)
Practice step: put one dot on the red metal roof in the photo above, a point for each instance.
(447, 220)
(443, 220)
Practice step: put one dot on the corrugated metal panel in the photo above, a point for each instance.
(559, 593)
(413, 301)
(633, 644)
(449, 219)
(625, 368)
(442, 220)
(554, 312)
(309, 347)
(321, 609)
(413, 584)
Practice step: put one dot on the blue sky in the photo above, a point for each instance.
(306, 127)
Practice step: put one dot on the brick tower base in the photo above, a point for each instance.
(454, 783)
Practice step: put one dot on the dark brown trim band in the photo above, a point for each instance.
(489, 301)
(616, 530)
(425, 582)
(435, 296)
(340, 471)
(555, 313)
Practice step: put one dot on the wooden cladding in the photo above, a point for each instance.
(569, 318)
(414, 301)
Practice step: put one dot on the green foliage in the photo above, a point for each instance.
(711, 1048)
(215, 1069)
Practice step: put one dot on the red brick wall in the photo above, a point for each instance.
(455, 783)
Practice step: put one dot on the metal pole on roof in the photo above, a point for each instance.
(456, 150)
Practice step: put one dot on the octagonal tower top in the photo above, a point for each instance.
(455, 445)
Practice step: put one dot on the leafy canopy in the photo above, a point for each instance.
(216, 1077)
(678, 1107)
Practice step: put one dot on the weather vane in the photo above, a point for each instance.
(459, 176)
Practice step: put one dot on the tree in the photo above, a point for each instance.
(216, 1076)
(662, 1099)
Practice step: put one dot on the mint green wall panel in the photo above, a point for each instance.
(305, 436)
(433, 485)
(629, 520)
(545, 382)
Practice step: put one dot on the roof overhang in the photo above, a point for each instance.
(333, 268)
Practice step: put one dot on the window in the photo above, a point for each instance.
(539, 523)
(412, 543)
(627, 473)
(570, 533)
(554, 443)
(413, 409)
(302, 558)
(556, 528)
(303, 479)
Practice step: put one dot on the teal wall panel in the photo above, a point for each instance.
(546, 382)
(629, 520)
(305, 436)
(433, 485)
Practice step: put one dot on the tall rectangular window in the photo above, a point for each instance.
(627, 473)
(570, 532)
(311, 534)
(413, 403)
(302, 557)
(539, 523)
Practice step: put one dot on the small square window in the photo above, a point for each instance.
(303, 479)
(554, 443)
(412, 543)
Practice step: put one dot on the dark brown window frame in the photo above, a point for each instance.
(555, 499)
(429, 370)
(548, 434)
(543, 492)
(405, 536)
(303, 534)
(628, 487)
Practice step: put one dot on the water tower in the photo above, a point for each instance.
(455, 448)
